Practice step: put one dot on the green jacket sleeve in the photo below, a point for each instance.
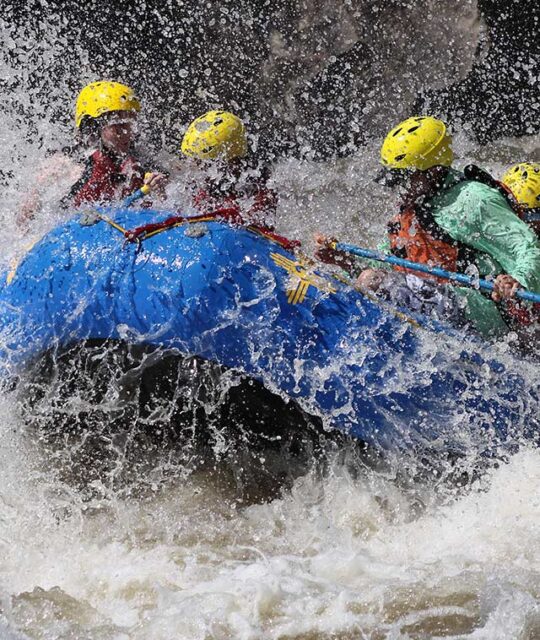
(479, 216)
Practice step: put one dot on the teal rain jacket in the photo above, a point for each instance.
(478, 215)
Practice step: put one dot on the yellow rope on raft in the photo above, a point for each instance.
(151, 234)
(112, 223)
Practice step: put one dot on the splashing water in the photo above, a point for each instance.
(343, 554)
(347, 551)
(339, 556)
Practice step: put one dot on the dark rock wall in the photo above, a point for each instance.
(500, 96)
(312, 77)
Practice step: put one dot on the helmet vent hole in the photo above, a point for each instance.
(398, 131)
(413, 129)
(218, 121)
(400, 157)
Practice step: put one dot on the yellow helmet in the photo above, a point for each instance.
(417, 143)
(215, 134)
(102, 97)
(523, 180)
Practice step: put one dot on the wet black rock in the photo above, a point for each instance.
(500, 96)
(115, 415)
(312, 77)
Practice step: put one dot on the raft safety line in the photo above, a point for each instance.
(144, 232)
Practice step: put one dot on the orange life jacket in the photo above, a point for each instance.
(411, 241)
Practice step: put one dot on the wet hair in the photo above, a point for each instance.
(89, 131)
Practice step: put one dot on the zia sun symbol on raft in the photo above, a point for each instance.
(301, 277)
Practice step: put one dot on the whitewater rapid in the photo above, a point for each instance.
(346, 555)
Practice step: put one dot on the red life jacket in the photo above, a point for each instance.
(107, 178)
(260, 212)
(517, 312)
(206, 203)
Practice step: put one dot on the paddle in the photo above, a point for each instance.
(423, 268)
(136, 195)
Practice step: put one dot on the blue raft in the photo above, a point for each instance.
(239, 299)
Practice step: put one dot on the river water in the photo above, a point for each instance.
(341, 553)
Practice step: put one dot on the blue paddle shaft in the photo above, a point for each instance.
(133, 197)
(432, 271)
